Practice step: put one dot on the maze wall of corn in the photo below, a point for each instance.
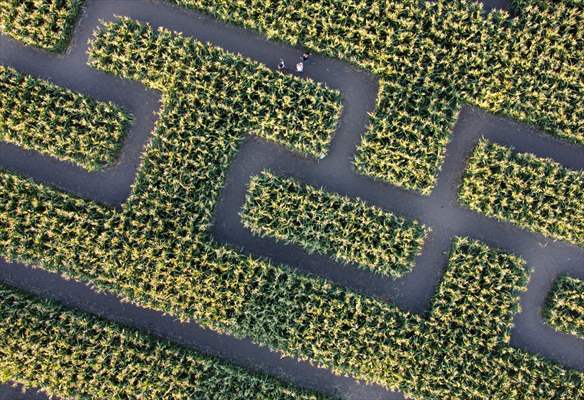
(184, 217)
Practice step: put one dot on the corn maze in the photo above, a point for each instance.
(402, 220)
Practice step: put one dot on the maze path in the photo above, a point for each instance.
(16, 393)
(400, 198)
(111, 185)
(439, 211)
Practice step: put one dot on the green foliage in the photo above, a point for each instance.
(351, 231)
(431, 57)
(74, 355)
(526, 6)
(175, 271)
(479, 291)
(399, 147)
(156, 251)
(460, 347)
(306, 114)
(61, 225)
(43, 23)
(465, 352)
(38, 115)
(565, 306)
(534, 193)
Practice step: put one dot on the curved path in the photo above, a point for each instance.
(335, 173)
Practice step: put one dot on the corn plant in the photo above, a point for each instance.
(535, 193)
(350, 231)
(42, 23)
(564, 309)
(477, 275)
(38, 115)
(74, 355)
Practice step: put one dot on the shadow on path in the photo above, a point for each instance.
(17, 392)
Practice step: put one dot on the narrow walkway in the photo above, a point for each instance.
(112, 185)
(334, 173)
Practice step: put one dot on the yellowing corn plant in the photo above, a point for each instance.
(43, 23)
(350, 231)
(564, 308)
(38, 115)
(534, 193)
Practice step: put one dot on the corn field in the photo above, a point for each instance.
(564, 309)
(432, 57)
(468, 332)
(535, 193)
(156, 251)
(38, 115)
(480, 274)
(74, 355)
(350, 231)
(47, 24)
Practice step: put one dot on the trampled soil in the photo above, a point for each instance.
(440, 211)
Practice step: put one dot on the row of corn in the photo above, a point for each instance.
(564, 309)
(74, 355)
(38, 115)
(534, 193)
(350, 231)
(299, 114)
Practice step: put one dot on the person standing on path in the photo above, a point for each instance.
(300, 67)
(305, 56)
(281, 65)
